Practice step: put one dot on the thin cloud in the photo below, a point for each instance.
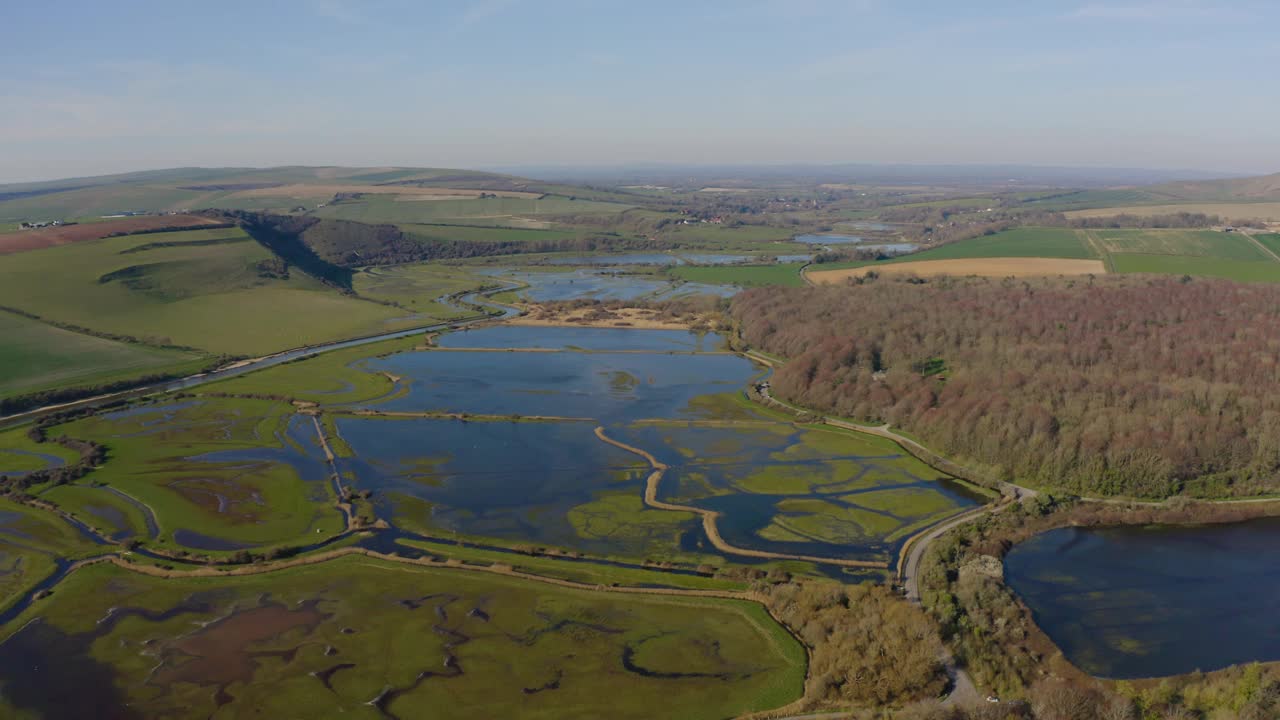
(479, 11)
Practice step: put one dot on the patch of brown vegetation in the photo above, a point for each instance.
(23, 240)
(983, 267)
(599, 316)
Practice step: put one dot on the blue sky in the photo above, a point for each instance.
(93, 87)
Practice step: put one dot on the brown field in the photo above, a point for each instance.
(986, 267)
(325, 191)
(22, 240)
(1227, 211)
(639, 318)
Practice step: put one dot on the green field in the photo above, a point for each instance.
(20, 454)
(36, 356)
(504, 210)
(329, 378)
(1239, 270)
(1270, 241)
(471, 233)
(326, 640)
(194, 294)
(1018, 242)
(1199, 243)
(30, 543)
(741, 275)
(418, 287)
(224, 469)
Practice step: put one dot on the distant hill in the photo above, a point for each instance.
(278, 188)
(1252, 189)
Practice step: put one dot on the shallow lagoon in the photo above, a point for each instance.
(799, 491)
(603, 285)
(610, 387)
(522, 482)
(1146, 602)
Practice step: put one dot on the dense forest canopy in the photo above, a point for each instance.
(1144, 387)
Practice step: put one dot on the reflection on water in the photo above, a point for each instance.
(589, 284)
(603, 386)
(1144, 602)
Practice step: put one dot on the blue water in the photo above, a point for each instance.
(828, 239)
(1155, 601)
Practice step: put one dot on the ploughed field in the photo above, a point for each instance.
(613, 455)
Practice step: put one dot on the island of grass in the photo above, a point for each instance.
(361, 637)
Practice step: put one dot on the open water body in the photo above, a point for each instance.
(589, 284)
(522, 482)
(1155, 601)
(608, 387)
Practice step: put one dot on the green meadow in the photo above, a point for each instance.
(38, 356)
(1198, 243)
(1239, 270)
(364, 638)
(31, 542)
(391, 209)
(187, 289)
(227, 469)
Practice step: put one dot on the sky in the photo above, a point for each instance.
(90, 87)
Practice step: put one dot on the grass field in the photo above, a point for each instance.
(31, 541)
(330, 378)
(36, 356)
(470, 233)
(418, 287)
(19, 454)
(742, 275)
(392, 210)
(327, 640)
(1199, 243)
(198, 292)
(1270, 241)
(1240, 270)
(234, 470)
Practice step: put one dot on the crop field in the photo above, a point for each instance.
(1199, 243)
(787, 274)
(1239, 270)
(102, 200)
(502, 209)
(215, 475)
(365, 638)
(986, 267)
(201, 289)
(1226, 210)
(37, 356)
(1270, 241)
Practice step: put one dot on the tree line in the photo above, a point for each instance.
(1113, 386)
